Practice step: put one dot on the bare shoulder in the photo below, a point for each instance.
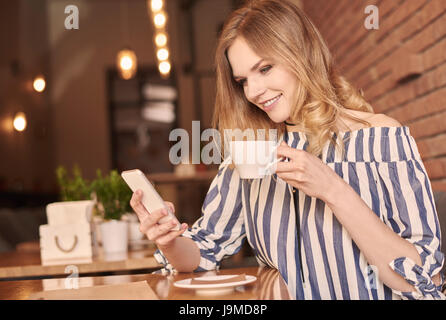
(381, 120)
(374, 119)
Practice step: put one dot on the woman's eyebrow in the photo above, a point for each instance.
(254, 67)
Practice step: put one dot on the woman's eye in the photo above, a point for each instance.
(265, 69)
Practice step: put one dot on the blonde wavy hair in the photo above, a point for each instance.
(282, 31)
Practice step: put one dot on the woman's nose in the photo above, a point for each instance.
(254, 91)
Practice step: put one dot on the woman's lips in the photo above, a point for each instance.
(270, 105)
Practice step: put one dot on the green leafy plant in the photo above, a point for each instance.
(74, 187)
(112, 194)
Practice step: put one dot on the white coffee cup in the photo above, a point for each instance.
(254, 159)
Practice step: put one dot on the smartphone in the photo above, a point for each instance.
(150, 199)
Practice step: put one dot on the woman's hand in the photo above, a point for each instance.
(161, 234)
(308, 173)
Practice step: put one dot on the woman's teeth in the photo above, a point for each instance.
(270, 102)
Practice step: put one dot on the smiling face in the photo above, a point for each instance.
(266, 84)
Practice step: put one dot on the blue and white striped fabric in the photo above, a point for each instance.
(382, 165)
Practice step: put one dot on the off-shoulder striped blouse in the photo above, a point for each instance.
(301, 237)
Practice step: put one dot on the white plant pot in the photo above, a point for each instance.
(96, 232)
(114, 236)
(134, 233)
(136, 237)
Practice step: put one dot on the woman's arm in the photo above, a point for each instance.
(219, 232)
(182, 253)
(379, 243)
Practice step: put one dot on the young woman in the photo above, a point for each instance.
(350, 214)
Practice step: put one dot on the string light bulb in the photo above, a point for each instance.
(164, 67)
(162, 54)
(161, 39)
(39, 84)
(19, 121)
(126, 63)
(159, 20)
(157, 5)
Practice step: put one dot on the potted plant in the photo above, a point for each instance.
(74, 188)
(75, 194)
(67, 233)
(113, 202)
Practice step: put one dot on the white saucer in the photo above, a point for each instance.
(211, 289)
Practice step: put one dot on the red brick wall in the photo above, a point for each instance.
(401, 67)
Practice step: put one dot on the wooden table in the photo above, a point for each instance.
(28, 264)
(17, 264)
(268, 286)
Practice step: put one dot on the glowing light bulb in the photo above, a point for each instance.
(19, 121)
(162, 54)
(159, 20)
(39, 84)
(157, 5)
(164, 67)
(161, 39)
(127, 64)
